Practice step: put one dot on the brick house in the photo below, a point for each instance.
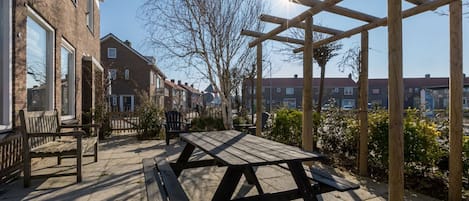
(288, 92)
(174, 96)
(49, 58)
(193, 98)
(133, 77)
(435, 88)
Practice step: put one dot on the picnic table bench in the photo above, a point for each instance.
(241, 153)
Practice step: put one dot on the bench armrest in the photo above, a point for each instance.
(80, 126)
(78, 134)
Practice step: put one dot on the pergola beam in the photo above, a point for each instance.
(312, 11)
(276, 38)
(339, 10)
(416, 2)
(301, 25)
(380, 22)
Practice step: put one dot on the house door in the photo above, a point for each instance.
(127, 103)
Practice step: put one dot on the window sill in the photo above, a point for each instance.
(67, 118)
(5, 129)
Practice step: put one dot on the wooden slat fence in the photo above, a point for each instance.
(11, 157)
(123, 122)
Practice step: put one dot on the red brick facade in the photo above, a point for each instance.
(69, 23)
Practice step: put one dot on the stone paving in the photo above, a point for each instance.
(118, 176)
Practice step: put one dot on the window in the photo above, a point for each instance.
(279, 90)
(75, 2)
(111, 53)
(375, 91)
(289, 91)
(335, 90)
(67, 77)
(112, 74)
(126, 74)
(39, 63)
(5, 64)
(158, 82)
(114, 100)
(348, 91)
(89, 15)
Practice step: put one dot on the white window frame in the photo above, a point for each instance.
(112, 74)
(50, 54)
(348, 91)
(279, 90)
(6, 66)
(90, 15)
(114, 100)
(71, 82)
(151, 77)
(289, 91)
(109, 54)
(127, 74)
(376, 91)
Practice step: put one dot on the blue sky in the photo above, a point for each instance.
(425, 39)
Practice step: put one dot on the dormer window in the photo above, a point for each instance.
(111, 53)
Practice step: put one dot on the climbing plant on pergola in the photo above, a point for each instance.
(393, 21)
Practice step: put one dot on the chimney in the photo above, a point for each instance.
(128, 43)
(350, 76)
(192, 85)
(427, 75)
(179, 82)
(172, 80)
(186, 84)
(295, 76)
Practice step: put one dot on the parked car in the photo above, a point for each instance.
(347, 107)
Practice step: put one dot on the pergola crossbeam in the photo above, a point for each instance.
(339, 10)
(416, 2)
(381, 22)
(276, 38)
(319, 7)
(301, 25)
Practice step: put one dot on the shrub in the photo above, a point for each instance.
(207, 124)
(150, 121)
(287, 127)
(338, 131)
(421, 148)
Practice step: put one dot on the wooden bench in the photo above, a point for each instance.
(327, 182)
(43, 136)
(160, 181)
(175, 124)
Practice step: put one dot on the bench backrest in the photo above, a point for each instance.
(174, 120)
(39, 122)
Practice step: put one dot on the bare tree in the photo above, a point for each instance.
(204, 35)
(351, 62)
(321, 55)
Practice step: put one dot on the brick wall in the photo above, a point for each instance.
(69, 23)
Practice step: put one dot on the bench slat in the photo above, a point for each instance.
(333, 181)
(170, 181)
(152, 181)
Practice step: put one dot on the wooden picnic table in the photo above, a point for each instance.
(241, 153)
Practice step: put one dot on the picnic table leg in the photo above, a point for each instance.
(183, 159)
(251, 178)
(301, 180)
(228, 184)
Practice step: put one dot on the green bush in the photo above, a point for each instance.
(150, 121)
(466, 158)
(338, 131)
(287, 127)
(421, 148)
(207, 124)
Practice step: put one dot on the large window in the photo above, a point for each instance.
(5, 64)
(39, 63)
(348, 91)
(67, 77)
(89, 15)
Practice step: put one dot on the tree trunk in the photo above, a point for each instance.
(321, 89)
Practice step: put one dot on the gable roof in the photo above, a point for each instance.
(429, 82)
(172, 85)
(190, 89)
(148, 59)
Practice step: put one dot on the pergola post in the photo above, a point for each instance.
(363, 143)
(455, 99)
(396, 100)
(259, 91)
(307, 134)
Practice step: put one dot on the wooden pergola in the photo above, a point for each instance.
(393, 21)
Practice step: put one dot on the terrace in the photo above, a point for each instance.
(119, 176)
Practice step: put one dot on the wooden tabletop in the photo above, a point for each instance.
(234, 148)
